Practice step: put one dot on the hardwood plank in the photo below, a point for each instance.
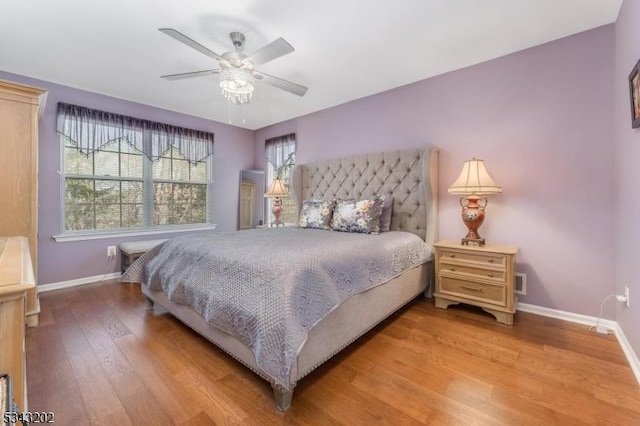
(611, 393)
(102, 344)
(251, 394)
(554, 391)
(531, 410)
(417, 401)
(138, 403)
(479, 396)
(100, 399)
(573, 370)
(176, 404)
(212, 398)
(142, 407)
(334, 390)
(200, 419)
(62, 393)
(73, 338)
(50, 344)
(450, 383)
(411, 366)
(101, 358)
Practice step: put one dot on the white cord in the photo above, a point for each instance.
(104, 277)
(595, 327)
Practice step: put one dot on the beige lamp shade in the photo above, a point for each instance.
(474, 180)
(277, 189)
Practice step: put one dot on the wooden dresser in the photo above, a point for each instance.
(480, 276)
(16, 279)
(20, 106)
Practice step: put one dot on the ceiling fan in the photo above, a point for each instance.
(237, 70)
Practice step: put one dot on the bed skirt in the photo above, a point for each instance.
(353, 318)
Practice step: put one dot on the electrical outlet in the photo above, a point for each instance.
(626, 294)
(111, 251)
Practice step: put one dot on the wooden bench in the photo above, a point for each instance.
(132, 250)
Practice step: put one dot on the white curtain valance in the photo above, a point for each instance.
(92, 129)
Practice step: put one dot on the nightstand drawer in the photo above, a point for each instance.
(482, 259)
(489, 293)
(497, 275)
(476, 275)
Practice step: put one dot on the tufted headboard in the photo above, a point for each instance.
(411, 176)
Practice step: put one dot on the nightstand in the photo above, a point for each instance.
(482, 276)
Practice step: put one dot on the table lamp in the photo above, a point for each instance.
(474, 182)
(276, 191)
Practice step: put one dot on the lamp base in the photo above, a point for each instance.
(276, 210)
(473, 216)
(473, 241)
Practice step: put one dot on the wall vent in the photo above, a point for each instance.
(521, 283)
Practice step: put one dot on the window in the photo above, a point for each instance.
(280, 153)
(179, 190)
(122, 173)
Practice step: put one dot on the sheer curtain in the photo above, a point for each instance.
(91, 129)
(124, 173)
(279, 150)
(280, 153)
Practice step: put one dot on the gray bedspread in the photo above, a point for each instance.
(269, 287)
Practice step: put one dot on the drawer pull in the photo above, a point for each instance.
(490, 260)
(490, 275)
(452, 255)
(451, 268)
(466, 287)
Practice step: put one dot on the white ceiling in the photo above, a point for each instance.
(345, 49)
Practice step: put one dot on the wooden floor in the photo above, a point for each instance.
(98, 357)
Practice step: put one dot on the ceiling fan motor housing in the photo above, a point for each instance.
(237, 39)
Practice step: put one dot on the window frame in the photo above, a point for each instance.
(270, 174)
(148, 181)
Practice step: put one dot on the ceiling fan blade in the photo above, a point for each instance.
(189, 74)
(271, 51)
(296, 89)
(189, 42)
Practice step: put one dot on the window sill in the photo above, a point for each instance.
(64, 238)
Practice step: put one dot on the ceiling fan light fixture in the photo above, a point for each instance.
(237, 84)
(237, 72)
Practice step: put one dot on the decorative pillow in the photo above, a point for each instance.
(358, 216)
(387, 210)
(316, 214)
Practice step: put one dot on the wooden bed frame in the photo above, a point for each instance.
(411, 177)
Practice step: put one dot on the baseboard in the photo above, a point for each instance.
(566, 316)
(80, 281)
(631, 356)
(634, 362)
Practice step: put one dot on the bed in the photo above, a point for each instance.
(285, 313)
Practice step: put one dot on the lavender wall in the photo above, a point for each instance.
(542, 120)
(62, 261)
(627, 144)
